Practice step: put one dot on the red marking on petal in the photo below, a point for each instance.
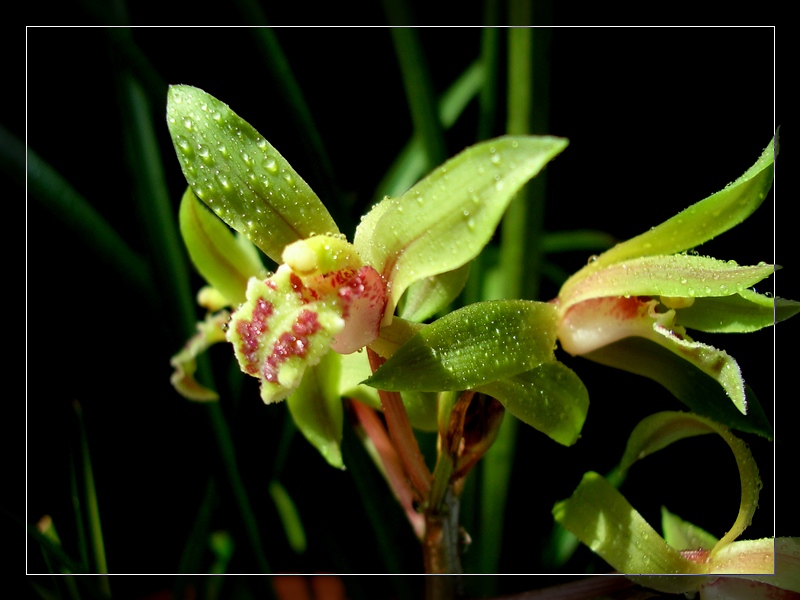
(291, 344)
(252, 331)
(364, 300)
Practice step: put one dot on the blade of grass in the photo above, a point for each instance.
(520, 263)
(58, 196)
(409, 166)
(92, 506)
(419, 93)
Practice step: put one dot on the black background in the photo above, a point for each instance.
(657, 118)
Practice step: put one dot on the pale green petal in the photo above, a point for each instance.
(679, 275)
(605, 521)
(700, 222)
(550, 398)
(445, 220)
(661, 429)
(316, 408)
(472, 346)
(743, 312)
(426, 297)
(239, 175)
(216, 253)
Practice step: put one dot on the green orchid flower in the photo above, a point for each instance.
(630, 307)
(298, 329)
(687, 559)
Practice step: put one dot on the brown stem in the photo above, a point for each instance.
(441, 551)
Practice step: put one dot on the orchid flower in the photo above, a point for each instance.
(330, 294)
(603, 519)
(630, 307)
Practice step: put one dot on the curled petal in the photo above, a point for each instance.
(209, 332)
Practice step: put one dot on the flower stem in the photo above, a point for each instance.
(402, 436)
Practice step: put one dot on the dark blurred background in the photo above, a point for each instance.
(657, 119)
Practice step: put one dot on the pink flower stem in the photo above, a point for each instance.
(402, 436)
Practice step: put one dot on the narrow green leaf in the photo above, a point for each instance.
(689, 384)
(550, 398)
(743, 312)
(218, 256)
(700, 222)
(240, 176)
(605, 521)
(289, 515)
(445, 220)
(317, 408)
(472, 346)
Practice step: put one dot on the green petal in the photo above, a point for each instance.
(216, 253)
(700, 222)
(691, 385)
(317, 410)
(472, 346)
(605, 521)
(680, 275)
(445, 220)
(550, 398)
(659, 430)
(239, 175)
(682, 535)
(740, 313)
(428, 296)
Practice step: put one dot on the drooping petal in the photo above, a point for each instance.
(239, 175)
(550, 398)
(590, 327)
(742, 312)
(209, 332)
(317, 410)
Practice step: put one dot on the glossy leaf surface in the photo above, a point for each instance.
(239, 175)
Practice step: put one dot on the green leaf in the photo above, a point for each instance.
(679, 275)
(216, 253)
(426, 297)
(550, 398)
(682, 535)
(445, 220)
(472, 346)
(317, 408)
(688, 383)
(700, 222)
(740, 313)
(239, 175)
(605, 521)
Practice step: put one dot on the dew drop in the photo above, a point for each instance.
(271, 165)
